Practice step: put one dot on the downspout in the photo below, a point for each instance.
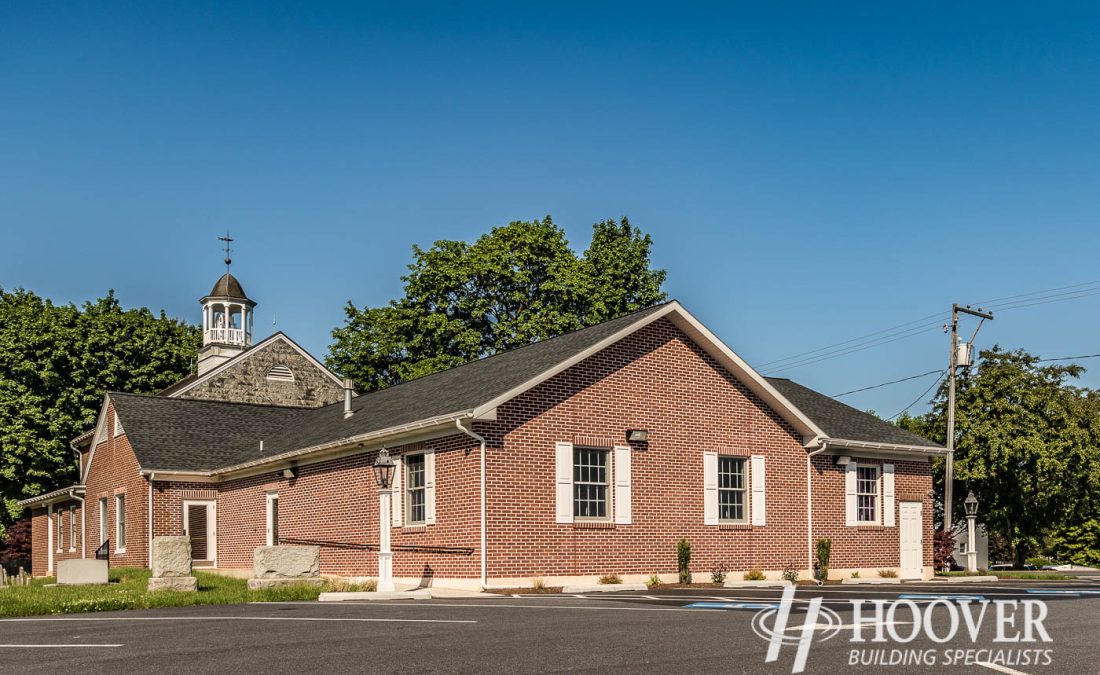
(480, 439)
(150, 549)
(83, 525)
(810, 511)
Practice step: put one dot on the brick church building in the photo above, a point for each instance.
(586, 454)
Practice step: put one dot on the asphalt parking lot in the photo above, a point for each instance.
(663, 631)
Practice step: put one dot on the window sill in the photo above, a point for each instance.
(414, 529)
(734, 526)
(869, 526)
(593, 525)
(120, 550)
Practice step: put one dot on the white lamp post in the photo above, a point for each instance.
(971, 505)
(383, 470)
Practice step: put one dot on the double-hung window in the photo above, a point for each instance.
(272, 518)
(72, 528)
(103, 521)
(415, 490)
(731, 489)
(589, 483)
(867, 494)
(120, 523)
(57, 516)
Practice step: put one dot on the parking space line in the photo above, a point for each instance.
(999, 668)
(230, 618)
(57, 646)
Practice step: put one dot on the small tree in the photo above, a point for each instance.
(943, 549)
(824, 550)
(15, 547)
(683, 560)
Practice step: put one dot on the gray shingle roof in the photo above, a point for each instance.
(843, 421)
(227, 287)
(172, 434)
(176, 434)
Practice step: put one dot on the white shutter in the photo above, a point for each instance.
(758, 506)
(564, 473)
(888, 495)
(397, 496)
(622, 485)
(429, 487)
(710, 488)
(851, 516)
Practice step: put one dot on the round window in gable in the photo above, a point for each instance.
(280, 373)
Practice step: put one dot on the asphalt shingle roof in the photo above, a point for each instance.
(842, 421)
(172, 434)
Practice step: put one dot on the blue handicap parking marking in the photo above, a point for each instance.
(934, 596)
(1076, 592)
(734, 605)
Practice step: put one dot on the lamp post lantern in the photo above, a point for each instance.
(971, 505)
(383, 471)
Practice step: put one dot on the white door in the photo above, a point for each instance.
(911, 533)
(200, 524)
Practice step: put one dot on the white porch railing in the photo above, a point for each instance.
(232, 336)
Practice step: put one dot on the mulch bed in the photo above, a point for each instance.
(525, 591)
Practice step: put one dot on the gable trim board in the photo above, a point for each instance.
(258, 347)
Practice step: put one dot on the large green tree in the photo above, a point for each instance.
(56, 362)
(1028, 445)
(512, 286)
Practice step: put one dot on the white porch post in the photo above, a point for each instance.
(385, 554)
(971, 553)
(49, 539)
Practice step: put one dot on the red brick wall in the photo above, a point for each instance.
(869, 546)
(115, 470)
(39, 552)
(659, 380)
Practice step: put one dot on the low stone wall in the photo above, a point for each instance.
(81, 571)
(280, 565)
(171, 565)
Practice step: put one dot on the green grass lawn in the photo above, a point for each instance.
(127, 591)
(1012, 574)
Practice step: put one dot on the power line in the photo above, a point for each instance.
(884, 384)
(917, 400)
(845, 342)
(1048, 290)
(1069, 358)
(886, 339)
(1054, 298)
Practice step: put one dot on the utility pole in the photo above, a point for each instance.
(949, 469)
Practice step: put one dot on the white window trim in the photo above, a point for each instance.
(609, 486)
(118, 426)
(406, 490)
(59, 531)
(104, 535)
(878, 495)
(271, 498)
(746, 491)
(120, 522)
(72, 529)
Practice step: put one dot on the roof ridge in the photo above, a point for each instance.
(508, 351)
(207, 400)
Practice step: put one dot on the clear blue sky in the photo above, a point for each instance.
(809, 172)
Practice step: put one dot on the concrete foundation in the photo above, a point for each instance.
(186, 584)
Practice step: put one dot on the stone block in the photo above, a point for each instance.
(82, 571)
(286, 562)
(185, 584)
(171, 557)
(262, 584)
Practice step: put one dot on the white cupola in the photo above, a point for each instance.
(227, 316)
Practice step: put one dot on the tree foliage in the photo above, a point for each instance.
(1028, 445)
(512, 286)
(56, 362)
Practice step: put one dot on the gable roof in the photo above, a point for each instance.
(173, 434)
(842, 422)
(194, 379)
(170, 434)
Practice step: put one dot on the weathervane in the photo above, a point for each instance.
(227, 239)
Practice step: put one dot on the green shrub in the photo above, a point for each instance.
(888, 574)
(683, 560)
(654, 581)
(611, 579)
(755, 575)
(718, 573)
(790, 573)
(1038, 562)
(824, 551)
(855, 575)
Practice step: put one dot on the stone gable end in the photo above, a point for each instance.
(246, 381)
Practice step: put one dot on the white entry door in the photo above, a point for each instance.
(200, 524)
(911, 531)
